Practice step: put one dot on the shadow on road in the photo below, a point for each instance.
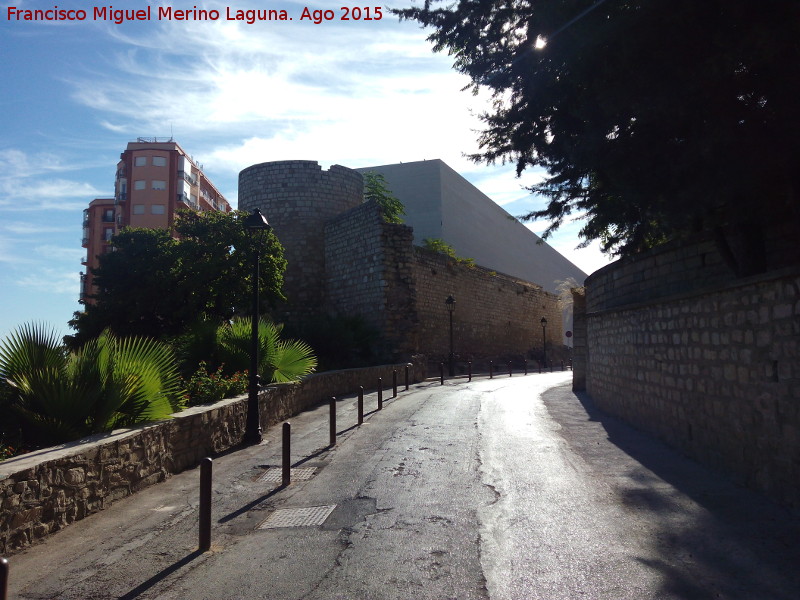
(250, 505)
(143, 587)
(714, 539)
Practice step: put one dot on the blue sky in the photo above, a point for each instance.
(233, 94)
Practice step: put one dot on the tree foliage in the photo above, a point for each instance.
(279, 360)
(110, 382)
(652, 118)
(442, 247)
(156, 285)
(377, 189)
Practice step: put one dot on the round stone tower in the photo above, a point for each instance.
(298, 198)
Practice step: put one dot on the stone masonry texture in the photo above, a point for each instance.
(709, 364)
(45, 491)
(298, 198)
(345, 260)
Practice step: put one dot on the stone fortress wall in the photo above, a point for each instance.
(672, 342)
(356, 264)
(298, 198)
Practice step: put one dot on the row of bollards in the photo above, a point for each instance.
(493, 367)
(286, 468)
(206, 473)
(206, 463)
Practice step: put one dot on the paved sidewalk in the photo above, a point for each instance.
(158, 527)
(511, 489)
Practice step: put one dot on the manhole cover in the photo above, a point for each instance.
(297, 517)
(275, 474)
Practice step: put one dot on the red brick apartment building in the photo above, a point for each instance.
(154, 180)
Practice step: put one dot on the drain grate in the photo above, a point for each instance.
(275, 474)
(297, 517)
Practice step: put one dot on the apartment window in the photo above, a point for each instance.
(157, 209)
(138, 209)
(108, 215)
(139, 184)
(159, 185)
(108, 233)
(140, 161)
(159, 161)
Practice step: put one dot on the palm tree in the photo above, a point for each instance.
(108, 383)
(279, 360)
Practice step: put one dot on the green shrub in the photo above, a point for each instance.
(61, 395)
(204, 387)
(442, 247)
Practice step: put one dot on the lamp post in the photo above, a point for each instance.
(544, 339)
(451, 306)
(253, 223)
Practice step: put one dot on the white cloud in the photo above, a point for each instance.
(27, 228)
(27, 182)
(290, 91)
(52, 281)
(17, 164)
(51, 250)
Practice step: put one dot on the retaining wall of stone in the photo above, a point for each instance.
(45, 491)
(495, 315)
(712, 368)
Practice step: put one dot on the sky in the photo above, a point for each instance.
(232, 94)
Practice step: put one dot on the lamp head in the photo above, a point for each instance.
(255, 221)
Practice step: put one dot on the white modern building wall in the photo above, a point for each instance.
(440, 203)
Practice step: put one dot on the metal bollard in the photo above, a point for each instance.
(562, 365)
(380, 393)
(287, 453)
(333, 421)
(205, 504)
(441, 373)
(361, 405)
(469, 370)
(491, 370)
(526, 366)
(509, 368)
(540, 367)
(394, 383)
(4, 569)
(406, 377)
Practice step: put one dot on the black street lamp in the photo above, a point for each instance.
(544, 339)
(451, 306)
(253, 223)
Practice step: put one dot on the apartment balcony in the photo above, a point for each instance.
(188, 178)
(186, 201)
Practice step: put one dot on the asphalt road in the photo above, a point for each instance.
(504, 488)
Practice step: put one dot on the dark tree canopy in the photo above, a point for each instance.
(156, 285)
(653, 118)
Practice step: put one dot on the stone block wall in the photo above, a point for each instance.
(713, 371)
(579, 341)
(298, 198)
(495, 315)
(674, 268)
(45, 491)
(344, 259)
(368, 273)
